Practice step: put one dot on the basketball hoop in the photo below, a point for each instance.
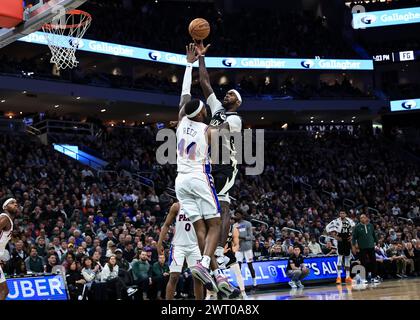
(64, 37)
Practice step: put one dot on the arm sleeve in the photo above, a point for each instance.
(186, 86)
(235, 123)
(186, 83)
(214, 103)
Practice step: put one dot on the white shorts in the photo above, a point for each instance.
(248, 254)
(178, 254)
(198, 196)
(2, 276)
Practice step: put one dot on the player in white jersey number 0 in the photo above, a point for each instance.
(184, 246)
(10, 207)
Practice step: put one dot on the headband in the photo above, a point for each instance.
(197, 111)
(237, 94)
(7, 202)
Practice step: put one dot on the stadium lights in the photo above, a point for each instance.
(24, 91)
(56, 106)
(3, 101)
(352, 120)
(147, 114)
(312, 121)
(332, 121)
(112, 124)
(342, 121)
(77, 98)
(312, 118)
(103, 110)
(142, 122)
(21, 112)
(353, 117)
(123, 121)
(322, 121)
(262, 118)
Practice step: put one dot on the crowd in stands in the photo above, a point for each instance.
(102, 227)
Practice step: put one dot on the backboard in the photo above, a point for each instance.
(36, 18)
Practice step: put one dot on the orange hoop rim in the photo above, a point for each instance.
(71, 26)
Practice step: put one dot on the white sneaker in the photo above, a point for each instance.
(244, 296)
(300, 285)
(131, 291)
(292, 284)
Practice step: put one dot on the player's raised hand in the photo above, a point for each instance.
(201, 50)
(192, 55)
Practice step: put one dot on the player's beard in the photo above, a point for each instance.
(228, 105)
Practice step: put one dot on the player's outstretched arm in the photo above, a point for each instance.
(170, 218)
(204, 75)
(186, 83)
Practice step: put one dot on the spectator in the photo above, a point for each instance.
(41, 247)
(51, 263)
(314, 247)
(92, 275)
(18, 257)
(328, 250)
(114, 283)
(141, 273)
(34, 263)
(398, 260)
(160, 276)
(75, 281)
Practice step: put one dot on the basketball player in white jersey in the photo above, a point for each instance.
(184, 246)
(194, 184)
(10, 207)
(224, 116)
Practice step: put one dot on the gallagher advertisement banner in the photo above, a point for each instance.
(211, 62)
(405, 105)
(50, 287)
(274, 271)
(385, 18)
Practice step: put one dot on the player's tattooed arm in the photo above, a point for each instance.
(204, 75)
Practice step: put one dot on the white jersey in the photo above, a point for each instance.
(192, 147)
(5, 236)
(184, 231)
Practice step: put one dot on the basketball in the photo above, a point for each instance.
(199, 29)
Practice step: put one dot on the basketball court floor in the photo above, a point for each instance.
(407, 289)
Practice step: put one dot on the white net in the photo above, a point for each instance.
(64, 35)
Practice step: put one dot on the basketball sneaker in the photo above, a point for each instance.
(349, 280)
(338, 281)
(202, 274)
(300, 285)
(292, 284)
(226, 288)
